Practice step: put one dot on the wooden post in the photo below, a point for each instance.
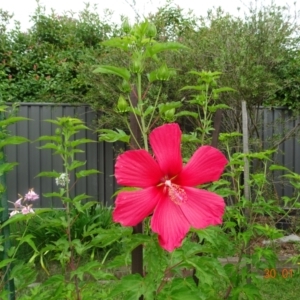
(137, 253)
(217, 128)
(246, 169)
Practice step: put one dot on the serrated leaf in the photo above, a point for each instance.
(28, 239)
(134, 110)
(163, 107)
(13, 140)
(190, 138)
(6, 167)
(81, 141)
(119, 42)
(224, 89)
(76, 164)
(12, 120)
(112, 136)
(194, 87)
(49, 138)
(84, 173)
(48, 174)
(131, 284)
(278, 168)
(186, 113)
(149, 110)
(48, 195)
(5, 262)
(160, 47)
(124, 189)
(50, 146)
(121, 72)
(81, 197)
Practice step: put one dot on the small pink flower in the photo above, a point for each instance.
(31, 195)
(14, 212)
(167, 187)
(18, 203)
(26, 210)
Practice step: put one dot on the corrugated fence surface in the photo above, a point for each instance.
(277, 125)
(100, 156)
(273, 125)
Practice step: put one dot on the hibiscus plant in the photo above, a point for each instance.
(180, 204)
(159, 188)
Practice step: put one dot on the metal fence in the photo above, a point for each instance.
(273, 125)
(279, 126)
(32, 160)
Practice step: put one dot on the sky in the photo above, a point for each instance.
(22, 9)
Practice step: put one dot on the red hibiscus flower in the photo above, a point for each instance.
(167, 187)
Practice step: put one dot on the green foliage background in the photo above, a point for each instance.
(258, 56)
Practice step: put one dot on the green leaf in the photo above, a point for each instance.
(160, 47)
(224, 89)
(48, 195)
(76, 164)
(28, 239)
(48, 174)
(112, 136)
(149, 110)
(49, 138)
(124, 189)
(12, 120)
(6, 167)
(190, 138)
(194, 87)
(81, 141)
(186, 113)
(132, 285)
(163, 107)
(120, 42)
(13, 140)
(5, 262)
(50, 146)
(84, 173)
(121, 72)
(214, 108)
(278, 168)
(81, 197)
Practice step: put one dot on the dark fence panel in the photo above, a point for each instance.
(280, 126)
(273, 125)
(32, 160)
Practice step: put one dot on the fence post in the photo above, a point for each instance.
(137, 253)
(246, 171)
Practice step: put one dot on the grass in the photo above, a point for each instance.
(281, 288)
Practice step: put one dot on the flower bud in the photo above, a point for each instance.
(126, 26)
(151, 30)
(57, 131)
(137, 65)
(125, 86)
(163, 73)
(122, 105)
(169, 115)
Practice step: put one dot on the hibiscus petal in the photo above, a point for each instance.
(206, 165)
(170, 224)
(165, 142)
(137, 168)
(133, 207)
(203, 208)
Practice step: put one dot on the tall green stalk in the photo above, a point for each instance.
(5, 232)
